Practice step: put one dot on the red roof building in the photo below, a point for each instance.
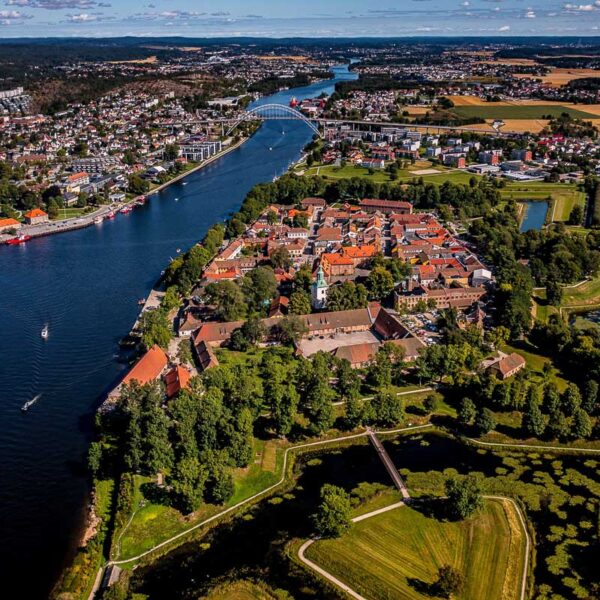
(149, 368)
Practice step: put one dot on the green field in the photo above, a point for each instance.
(349, 171)
(397, 554)
(518, 112)
(153, 522)
(587, 293)
(242, 590)
(564, 195)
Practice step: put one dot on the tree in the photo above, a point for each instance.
(449, 581)
(137, 185)
(155, 329)
(228, 298)
(590, 397)
(334, 514)
(253, 330)
(533, 422)
(582, 424)
(290, 330)
(171, 152)
(554, 293)
(300, 303)
(347, 296)
(571, 399)
(259, 287)
(380, 283)
(94, 458)
(303, 279)
(280, 258)
(485, 421)
(387, 408)
(431, 403)
(188, 482)
(158, 453)
(463, 496)
(467, 412)
(576, 216)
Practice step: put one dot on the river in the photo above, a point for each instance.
(85, 285)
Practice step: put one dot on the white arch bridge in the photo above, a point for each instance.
(274, 112)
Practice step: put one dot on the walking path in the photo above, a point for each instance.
(389, 465)
(346, 588)
(534, 446)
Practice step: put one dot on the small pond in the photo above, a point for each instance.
(535, 215)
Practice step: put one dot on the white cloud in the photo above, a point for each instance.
(504, 28)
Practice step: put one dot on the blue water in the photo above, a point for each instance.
(535, 215)
(85, 286)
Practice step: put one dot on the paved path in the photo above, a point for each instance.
(338, 582)
(406, 393)
(389, 465)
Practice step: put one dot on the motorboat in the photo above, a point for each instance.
(45, 332)
(30, 403)
(21, 239)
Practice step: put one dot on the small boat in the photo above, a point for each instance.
(125, 210)
(21, 239)
(178, 250)
(176, 199)
(110, 215)
(98, 220)
(30, 403)
(44, 333)
(141, 302)
(184, 183)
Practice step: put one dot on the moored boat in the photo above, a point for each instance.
(98, 220)
(110, 215)
(125, 210)
(21, 239)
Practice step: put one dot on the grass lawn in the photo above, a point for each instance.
(518, 112)
(242, 590)
(536, 362)
(397, 554)
(349, 171)
(565, 195)
(69, 213)
(587, 293)
(154, 523)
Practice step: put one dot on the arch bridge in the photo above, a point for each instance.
(274, 112)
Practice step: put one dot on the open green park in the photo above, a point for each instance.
(397, 554)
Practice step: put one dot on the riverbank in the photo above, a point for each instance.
(83, 221)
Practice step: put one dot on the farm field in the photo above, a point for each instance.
(510, 111)
(559, 76)
(397, 554)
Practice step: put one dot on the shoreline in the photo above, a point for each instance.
(87, 220)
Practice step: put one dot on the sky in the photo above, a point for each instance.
(308, 18)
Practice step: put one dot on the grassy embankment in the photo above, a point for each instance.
(576, 298)
(397, 554)
(562, 196)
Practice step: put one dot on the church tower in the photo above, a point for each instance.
(319, 291)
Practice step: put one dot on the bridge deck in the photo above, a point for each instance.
(389, 465)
